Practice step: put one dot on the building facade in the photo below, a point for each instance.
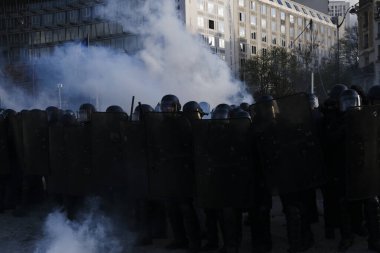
(30, 29)
(239, 29)
(339, 9)
(369, 40)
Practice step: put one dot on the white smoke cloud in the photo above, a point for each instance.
(171, 61)
(93, 233)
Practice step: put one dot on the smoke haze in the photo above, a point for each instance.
(171, 61)
(92, 233)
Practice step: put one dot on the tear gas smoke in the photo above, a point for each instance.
(171, 60)
(92, 233)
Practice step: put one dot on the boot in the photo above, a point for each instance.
(294, 229)
(260, 230)
(347, 236)
(372, 213)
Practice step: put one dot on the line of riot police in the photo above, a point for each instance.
(231, 163)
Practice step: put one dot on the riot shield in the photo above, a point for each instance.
(5, 168)
(78, 142)
(136, 185)
(57, 182)
(289, 148)
(362, 158)
(16, 138)
(36, 142)
(108, 150)
(169, 140)
(223, 163)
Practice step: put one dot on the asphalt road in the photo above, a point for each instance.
(58, 235)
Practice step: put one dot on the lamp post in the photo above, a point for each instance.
(59, 86)
(351, 10)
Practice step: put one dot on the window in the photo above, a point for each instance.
(253, 35)
(221, 11)
(264, 50)
(221, 43)
(263, 9)
(263, 37)
(253, 50)
(263, 23)
(365, 19)
(48, 19)
(241, 3)
(300, 21)
(201, 6)
(274, 40)
(201, 22)
(211, 24)
(283, 43)
(241, 17)
(291, 32)
(210, 8)
(253, 5)
(304, 11)
(279, 2)
(273, 12)
(49, 36)
(211, 41)
(283, 17)
(283, 30)
(241, 31)
(312, 14)
(60, 17)
(366, 41)
(73, 16)
(291, 19)
(221, 26)
(86, 13)
(242, 47)
(319, 16)
(253, 20)
(274, 27)
(36, 21)
(288, 4)
(295, 6)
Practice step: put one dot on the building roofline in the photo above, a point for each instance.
(294, 10)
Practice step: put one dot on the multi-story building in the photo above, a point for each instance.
(369, 40)
(239, 29)
(338, 8)
(32, 28)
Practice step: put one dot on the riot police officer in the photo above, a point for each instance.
(150, 214)
(85, 112)
(115, 108)
(350, 100)
(192, 111)
(330, 126)
(374, 95)
(260, 221)
(182, 215)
